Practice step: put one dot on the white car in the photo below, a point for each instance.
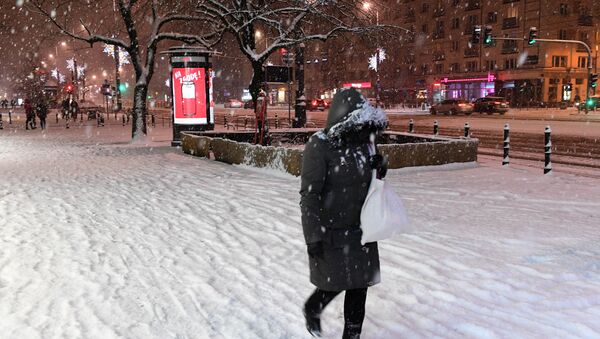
(233, 103)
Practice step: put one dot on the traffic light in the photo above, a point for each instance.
(593, 80)
(476, 37)
(533, 34)
(69, 89)
(122, 88)
(487, 36)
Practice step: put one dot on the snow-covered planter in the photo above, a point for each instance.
(241, 153)
(402, 149)
(197, 145)
(410, 150)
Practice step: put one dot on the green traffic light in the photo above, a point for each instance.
(590, 102)
(122, 88)
(532, 42)
(488, 40)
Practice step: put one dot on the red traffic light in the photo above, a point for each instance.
(69, 88)
(283, 51)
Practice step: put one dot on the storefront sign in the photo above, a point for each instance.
(357, 85)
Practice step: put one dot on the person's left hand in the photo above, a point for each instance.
(379, 162)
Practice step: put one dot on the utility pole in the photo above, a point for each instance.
(300, 109)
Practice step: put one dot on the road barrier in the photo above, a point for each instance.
(411, 126)
(436, 127)
(547, 150)
(506, 145)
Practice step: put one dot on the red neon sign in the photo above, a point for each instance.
(489, 78)
(357, 85)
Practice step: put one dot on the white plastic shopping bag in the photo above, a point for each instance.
(383, 214)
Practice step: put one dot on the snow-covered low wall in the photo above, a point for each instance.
(410, 150)
(402, 150)
(242, 153)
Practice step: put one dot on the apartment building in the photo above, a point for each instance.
(437, 60)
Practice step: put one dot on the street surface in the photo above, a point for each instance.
(105, 239)
(576, 137)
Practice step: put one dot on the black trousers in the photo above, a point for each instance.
(354, 307)
(43, 123)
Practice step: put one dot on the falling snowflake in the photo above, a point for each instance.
(123, 55)
(373, 59)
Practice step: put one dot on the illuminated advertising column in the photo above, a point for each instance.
(191, 85)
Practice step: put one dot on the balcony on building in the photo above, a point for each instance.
(509, 48)
(585, 20)
(471, 52)
(438, 12)
(439, 35)
(532, 60)
(439, 56)
(510, 23)
(473, 5)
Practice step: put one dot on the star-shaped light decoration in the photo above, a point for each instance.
(55, 74)
(373, 59)
(123, 55)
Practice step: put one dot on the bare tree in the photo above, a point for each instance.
(285, 23)
(140, 28)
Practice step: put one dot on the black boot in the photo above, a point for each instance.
(313, 324)
(352, 331)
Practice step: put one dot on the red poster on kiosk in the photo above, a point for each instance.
(189, 94)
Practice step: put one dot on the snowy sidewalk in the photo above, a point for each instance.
(101, 239)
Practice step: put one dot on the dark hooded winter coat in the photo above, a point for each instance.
(336, 175)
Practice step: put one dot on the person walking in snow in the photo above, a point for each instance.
(29, 115)
(335, 179)
(42, 112)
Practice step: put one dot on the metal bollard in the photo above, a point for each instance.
(10, 117)
(123, 119)
(153, 121)
(276, 121)
(411, 126)
(245, 122)
(436, 127)
(81, 117)
(467, 130)
(547, 150)
(1, 122)
(506, 146)
(225, 121)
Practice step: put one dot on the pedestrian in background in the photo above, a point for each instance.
(42, 112)
(29, 114)
(335, 179)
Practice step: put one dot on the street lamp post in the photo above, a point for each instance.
(367, 7)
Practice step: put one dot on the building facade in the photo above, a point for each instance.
(437, 60)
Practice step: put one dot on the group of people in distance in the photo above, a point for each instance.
(40, 107)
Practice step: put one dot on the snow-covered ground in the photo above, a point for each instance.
(102, 239)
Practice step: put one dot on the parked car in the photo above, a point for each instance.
(452, 106)
(491, 105)
(316, 104)
(233, 103)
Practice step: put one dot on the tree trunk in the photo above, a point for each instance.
(258, 78)
(139, 111)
